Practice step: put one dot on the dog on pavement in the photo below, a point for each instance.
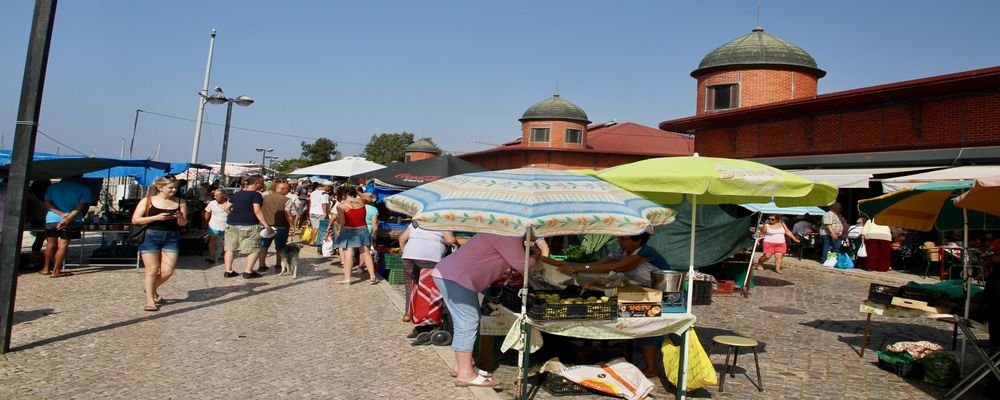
(290, 259)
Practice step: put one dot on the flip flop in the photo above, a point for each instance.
(60, 275)
(151, 308)
(344, 282)
(478, 381)
(482, 373)
(373, 281)
(45, 273)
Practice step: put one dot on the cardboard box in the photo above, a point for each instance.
(639, 294)
(636, 309)
(918, 305)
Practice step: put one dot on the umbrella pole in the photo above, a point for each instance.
(682, 372)
(746, 278)
(967, 285)
(522, 361)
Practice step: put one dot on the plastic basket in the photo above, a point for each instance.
(540, 310)
(509, 298)
(881, 293)
(725, 286)
(903, 369)
(391, 261)
(702, 293)
(396, 277)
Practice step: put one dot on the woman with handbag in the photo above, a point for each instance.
(422, 250)
(161, 215)
(774, 231)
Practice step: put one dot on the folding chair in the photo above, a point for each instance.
(990, 363)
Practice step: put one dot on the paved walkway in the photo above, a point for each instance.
(86, 336)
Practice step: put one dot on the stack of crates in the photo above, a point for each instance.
(394, 264)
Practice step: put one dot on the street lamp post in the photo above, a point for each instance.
(134, 126)
(263, 156)
(271, 160)
(218, 98)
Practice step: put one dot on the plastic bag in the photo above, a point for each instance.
(844, 261)
(307, 234)
(831, 259)
(862, 251)
(327, 249)
(617, 377)
(940, 369)
(701, 372)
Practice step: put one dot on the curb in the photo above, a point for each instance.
(444, 353)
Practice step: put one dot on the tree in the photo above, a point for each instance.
(385, 148)
(291, 164)
(321, 151)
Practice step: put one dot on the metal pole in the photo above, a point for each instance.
(134, 125)
(225, 140)
(22, 151)
(201, 102)
(263, 156)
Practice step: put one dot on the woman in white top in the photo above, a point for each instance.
(774, 232)
(878, 246)
(422, 249)
(216, 212)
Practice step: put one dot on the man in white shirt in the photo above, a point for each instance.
(319, 204)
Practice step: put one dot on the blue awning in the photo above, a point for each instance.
(771, 208)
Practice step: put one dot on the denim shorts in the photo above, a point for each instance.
(157, 241)
(280, 239)
(214, 232)
(353, 237)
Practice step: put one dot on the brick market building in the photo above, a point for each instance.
(757, 99)
(556, 133)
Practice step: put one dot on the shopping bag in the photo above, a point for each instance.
(327, 247)
(831, 259)
(701, 372)
(617, 377)
(307, 234)
(844, 261)
(862, 251)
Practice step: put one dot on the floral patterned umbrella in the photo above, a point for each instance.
(515, 202)
(509, 202)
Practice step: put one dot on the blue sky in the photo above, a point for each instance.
(461, 72)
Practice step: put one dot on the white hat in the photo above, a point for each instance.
(328, 183)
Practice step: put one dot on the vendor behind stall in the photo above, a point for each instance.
(633, 258)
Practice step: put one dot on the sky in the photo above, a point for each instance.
(459, 72)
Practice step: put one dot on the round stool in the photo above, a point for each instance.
(736, 342)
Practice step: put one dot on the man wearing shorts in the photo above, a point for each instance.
(66, 201)
(278, 215)
(319, 204)
(244, 224)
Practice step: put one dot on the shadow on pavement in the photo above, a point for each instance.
(168, 313)
(31, 315)
(771, 282)
(882, 333)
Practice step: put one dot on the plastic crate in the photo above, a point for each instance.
(702, 293)
(391, 261)
(913, 293)
(904, 369)
(540, 310)
(396, 277)
(510, 299)
(725, 286)
(881, 293)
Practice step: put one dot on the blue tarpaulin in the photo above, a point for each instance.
(5, 157)
(771, 208)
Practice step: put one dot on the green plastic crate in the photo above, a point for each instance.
(396, 277)
(392, 261)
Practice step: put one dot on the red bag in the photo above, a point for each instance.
(425, 300)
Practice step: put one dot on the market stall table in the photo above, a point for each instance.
(888, 310)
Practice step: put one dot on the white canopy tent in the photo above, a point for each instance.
(345, 167)
(852, 178)
(968, 172)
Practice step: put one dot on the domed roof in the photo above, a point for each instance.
(424, 145)
(759, 49)
(556, 108)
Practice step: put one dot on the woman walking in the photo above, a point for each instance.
(774, 232)
(353, 234)
(216, 213)
(422, 250)
(163, 214)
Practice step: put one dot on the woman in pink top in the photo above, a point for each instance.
(774, 232)
(460, 277)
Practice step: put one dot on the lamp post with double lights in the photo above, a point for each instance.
(219, 98)
(271, 160)
(263, 156)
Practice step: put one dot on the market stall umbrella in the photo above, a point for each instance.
(709, 180)
(516, 202)
(416, 173)
(984, 196)
(345, 167)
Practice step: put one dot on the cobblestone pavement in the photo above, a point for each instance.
(86, 336)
